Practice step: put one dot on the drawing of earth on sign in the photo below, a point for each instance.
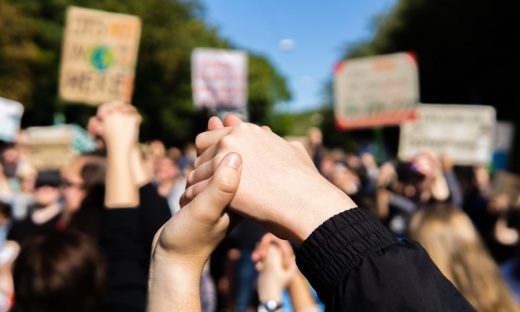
(101, 58)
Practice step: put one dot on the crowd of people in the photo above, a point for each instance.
(98, 234)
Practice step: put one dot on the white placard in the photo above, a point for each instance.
(219, 78)
(464, 132)
(10, 116)
(376, 91)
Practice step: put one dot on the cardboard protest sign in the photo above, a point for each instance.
(375, 91)
(10, 116)
(99, 56)
(464, 132)
(506, 183)
(219, 79)
(49, 147)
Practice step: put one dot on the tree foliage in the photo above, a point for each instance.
(466, 51)
(30, 47)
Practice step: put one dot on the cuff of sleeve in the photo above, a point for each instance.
(337, 246)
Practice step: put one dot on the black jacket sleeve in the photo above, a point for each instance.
(126, 261)
(356, 264)
(153, 211)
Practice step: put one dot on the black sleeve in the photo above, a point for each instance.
(356, 264)
(127, 264)
(154, 212)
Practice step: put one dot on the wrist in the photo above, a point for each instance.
(172, 284)
(269, 292)
(118, 145)
(317, 210)
(163, 259)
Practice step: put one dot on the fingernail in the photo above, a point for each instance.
(233, 160)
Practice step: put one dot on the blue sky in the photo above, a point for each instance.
(318, 30)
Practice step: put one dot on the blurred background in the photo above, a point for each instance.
(410, 107)
(466, 54)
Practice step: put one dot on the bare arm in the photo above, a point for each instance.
(120, 137)
(183, 245)
(139, 171)
(301, 296)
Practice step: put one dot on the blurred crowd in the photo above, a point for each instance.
(78, 238)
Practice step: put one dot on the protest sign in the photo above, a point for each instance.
(10, 116)
(464, 132)
(219, 79)
(375, 91)
(99, 56)
(49, 147)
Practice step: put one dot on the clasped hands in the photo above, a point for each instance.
(246, 170)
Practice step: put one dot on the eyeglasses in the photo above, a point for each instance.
(67, 184)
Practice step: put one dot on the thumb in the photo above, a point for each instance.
(219, 193)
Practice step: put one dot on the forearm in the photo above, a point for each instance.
(301, 296)
(139, 171)
(312, 210)
(269, 290)
(121, 190)
(353, 261)
(173, 285)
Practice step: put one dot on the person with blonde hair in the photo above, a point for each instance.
(456, 248)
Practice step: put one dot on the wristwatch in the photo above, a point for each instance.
(269, 306)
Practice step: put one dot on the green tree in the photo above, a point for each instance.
(18, 53)
(171, 30)
(466, 52)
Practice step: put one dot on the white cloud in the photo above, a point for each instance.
(287, 44)
(307, 80)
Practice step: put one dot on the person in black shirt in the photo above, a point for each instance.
(46, 211)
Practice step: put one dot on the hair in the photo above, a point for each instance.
(89, 218)
(455, 247)
(58, 271)
(5, 210)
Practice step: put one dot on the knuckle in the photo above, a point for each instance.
(241, 127)
(226, 142)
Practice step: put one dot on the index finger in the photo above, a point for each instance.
(206, 139)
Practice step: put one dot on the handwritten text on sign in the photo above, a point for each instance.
(464, 132)
(219, 78)
(375, 91)
(99, 56)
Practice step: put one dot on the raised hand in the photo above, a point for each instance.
(277, 268)
(183, 245)
(193, 232)
(280, 187)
